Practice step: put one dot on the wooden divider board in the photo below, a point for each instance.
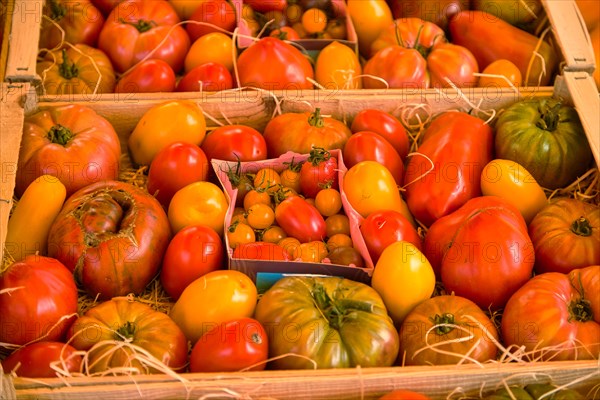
(24, 40)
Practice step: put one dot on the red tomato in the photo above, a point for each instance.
(285, 33)
(366, 145)
(231, 346)
(106, 6)
(36, 360)
(288, 68)
(481, 251)
(384, 227)
(386, 125)
(209, 77)
(401, 68)
(213, 14)
(300, 219)
(149, 76)
(174, 167)
(319, 170)
(235, 143)
(136, 27)
(261, 251)
(79, 20)
(194, 251)
(459, 145)
(37, 296)
(263, 6)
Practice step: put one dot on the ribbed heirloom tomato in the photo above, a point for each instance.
(79, 20)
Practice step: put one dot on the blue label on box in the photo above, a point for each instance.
(264, 280)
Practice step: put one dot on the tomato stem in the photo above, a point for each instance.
(316, 119)
(580, 309)
(67, 70)
(549, 117)
(59, 134)
(57, 10)
(582, 227)
(336, 310)
(126, 332)
(318, 155)
(442, 323)
(142, 25)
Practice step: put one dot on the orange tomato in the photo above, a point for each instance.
(199, 203)
(502, 73)
(213, 47)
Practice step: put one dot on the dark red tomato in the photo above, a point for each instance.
(319, 171)
(384, 124)
(384, 227)
(174, 167)
(193, 252)
(149, 76)
(263, 6)
(35, 360)
(231, 346)
(213, 14)
(273, 64)
(37, 296)
(209, 77)
(261, 251)
(300, 219)
(370, 146)
(235, 143)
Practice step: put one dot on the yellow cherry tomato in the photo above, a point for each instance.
(273, 234)
(338, 223)
(338, 67)
(267, 179)
(328, 202)
(314, 251)
(240, 233)
(256, 197)
(403, 278)
(511, 181)
(163, 124)
(239, 215)
(290, 178)
(292, 246)
(199, 203)
(213, 47)
(502, 73)
(314, 20)
(260, 216)
(339, 240)
(216, 297)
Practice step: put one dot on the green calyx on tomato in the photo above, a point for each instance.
(125, 332)
(335, 310)
(549, 116)
(317, 155)
(582, 227)
(59, 134)
(58, 11)
(142, 25)
(580, 309)
(68, 70)
(423, 50)
(316, 119)
(443, 323)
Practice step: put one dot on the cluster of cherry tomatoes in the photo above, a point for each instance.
(295, 20)
(293, 212)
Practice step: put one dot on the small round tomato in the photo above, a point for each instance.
(212, 15)
(273, 234)
(35, 360)
(314, 20)
(230, 293)
(214, 47)
(256, 197)
(163, 124)
(290, 177)
(199, 203)
(240, 233)
(260, 216)
(511, 181)
(320, 170)
(337, 223)
(149, 76)
(386, 125)
(193, 252)
(328, 201)
(313, 252)
(235, 143)
(337, 28)
(292, 246)
(339, 240)
(263, 6)
(174, 167)
(404, 278)
(209, 77)
(346, 255)
(236, 345)
(267, 179)
(285, 33)
(502, 73)
(261, 251)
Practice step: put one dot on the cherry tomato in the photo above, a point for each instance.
(214, 47)
(314, 20)
(149, 76)
(338, 223)
(261, 251)
(174, 167)
(293, 13)
(199, 203)
(503, 73)
(267, 179)
(313, 252)
(240, 233)
(256, 197)
(292, 246)
(346, 255)
(239, 344)
(263, 6)
(260, 216)
(213, 14)
(35, 360)
(337, 28)
(339, 240)
(239, 215)
(193, 252)
(319, 171)
(273, 234)
(235, 143)
(328, 202)
(300, 219)
(384, 124)
(209, 77)
(285, 33)
(290, 177)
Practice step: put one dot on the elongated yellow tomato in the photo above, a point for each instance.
(370, 18)
(212, 299)
(28, 227)
(404, 278)
(199, 203)
(163, 124)
(369, 187)
(338, 67)
(512, 182)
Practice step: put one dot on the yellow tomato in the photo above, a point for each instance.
(370, 18)
(339, 240)
(292, 246)
(240, 233)
(216, 297)
(338, 67)
(199, 203)
(403, 278)
(314, 20)
(267, 179)
(328, 202)
(273, 234)
(369, 186)
(260, 216)
(213, 47)
(163, 124)
(498, 71)
(290, 179)
(511, 181)
(314, 251)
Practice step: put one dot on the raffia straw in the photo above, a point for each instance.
(424, 174)
(60, 28)
(491, 113)
(585, 188)
(498, 76)
(377, 78)
(533, 57)
(528, 9)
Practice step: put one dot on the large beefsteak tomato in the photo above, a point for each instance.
(556, 316)
(329, 322)
(481, 251)
(80, 21)
(112, 235)
(70, 142)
